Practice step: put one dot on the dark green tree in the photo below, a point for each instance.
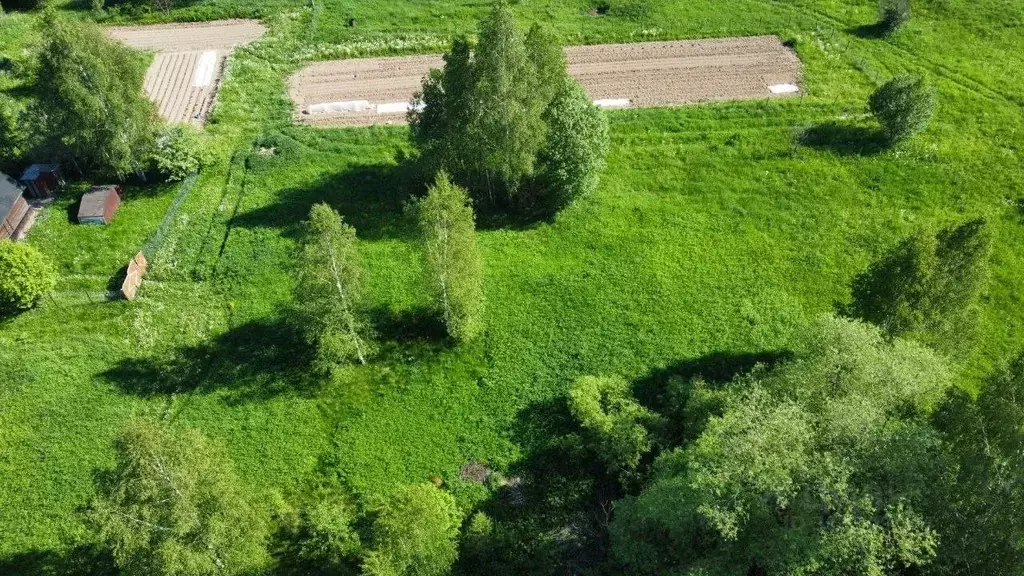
(574, 155)
(981, 508)
(822, 465)
(613, 420)
(415, 534)
(489, 118)
(90, 99)
(453, 259)
(25, 276)
(172, 506)
(329, 289)
(892, 15)
(904, 106)
(928, 287)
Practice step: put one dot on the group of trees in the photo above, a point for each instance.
(507, 121)
(330, 274)
(173, 506)
(855, 456)
(89, 109)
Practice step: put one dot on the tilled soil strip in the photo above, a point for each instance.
(183, 77)
(644, 74)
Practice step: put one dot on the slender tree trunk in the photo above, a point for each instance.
(348, 310)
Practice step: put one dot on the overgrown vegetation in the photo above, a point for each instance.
(710, 243)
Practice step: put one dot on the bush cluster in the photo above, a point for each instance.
(25, 276)
(904, 106)
(179, 151)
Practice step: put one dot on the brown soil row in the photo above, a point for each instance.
(648, 74)
(179, 47)
(189, 36)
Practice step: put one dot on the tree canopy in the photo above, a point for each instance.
(330, 288)
(453, 259)
(89, 98)
(25, 276)
(415, 533)
(506, 121)
(928, 286)
(173, 506)
(821, 466)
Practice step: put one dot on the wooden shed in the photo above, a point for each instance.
(99, 204)
(13, 206)
(42, 180)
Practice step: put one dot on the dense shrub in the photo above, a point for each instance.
(903, 106)
(928, 287)
(25, 276)
(326, 533)
(612, 419)
(893, 14)
(179, 151)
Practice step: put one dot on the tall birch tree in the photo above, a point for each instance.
(172, 506)
(330, 288)
(453, 258)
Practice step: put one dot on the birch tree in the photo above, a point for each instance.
(172, 506)
(453, 258)
(329, 288)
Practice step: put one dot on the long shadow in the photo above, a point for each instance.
(553, 510)
(371, 198)
(411, 333)
(872, 31)
(844, 139)
(255, 361)
(83, 560)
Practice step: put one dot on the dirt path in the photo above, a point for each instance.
(362, 92)
(183, 77)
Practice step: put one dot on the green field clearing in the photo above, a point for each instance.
(713, 233)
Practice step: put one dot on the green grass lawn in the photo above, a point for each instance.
(712, 233)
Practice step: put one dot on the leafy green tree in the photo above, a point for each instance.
(893, 14)
(25, 276)
(490, 117)
(327, 534)
(172, 506)
(179, 151)
(823, 465)
(509, 131)
(415, 534)
(904, 106)
(89, 95)
(929, 286)
(982, 505)
(13, 135)
(574, 155)
(330, 288)
(453, 259)
(606, 410)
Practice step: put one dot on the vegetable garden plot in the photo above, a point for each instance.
(615, 76)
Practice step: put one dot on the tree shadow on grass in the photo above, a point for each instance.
(872, 31)
(371, 198)
(552, 510)
(410, 333)
(844, 139)
(255, 361)
(82, 560)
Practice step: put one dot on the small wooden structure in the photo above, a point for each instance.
(42, 181)
(132, 280)
(99, 204)
(13, 206)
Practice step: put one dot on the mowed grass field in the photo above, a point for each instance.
(717, 230)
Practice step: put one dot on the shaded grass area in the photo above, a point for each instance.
(716, 232)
